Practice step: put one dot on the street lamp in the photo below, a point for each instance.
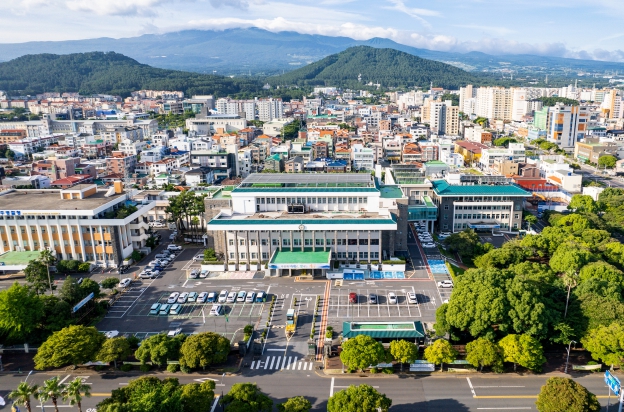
(568, 358)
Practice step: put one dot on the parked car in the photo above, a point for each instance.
(223, 296)
(352, 297)
(203, 274)
(392, 298)
(172, 237)
(411, 298)
(445, 284)
(155, 309)
(211, 298)
(183, 297)
(176, 308)
(231, 297)
(194, 274)
(161, 255)
(192, 297)
(174, 247)
(125, 282)
(261, 297)
(216, 310)
(241, 296)
(111, 334)
(164, 309)
(146, 274)
(173, 298)
(201, 298)
(372, 299)
(174, 332)
(250, 297)
(429, 245)
(199, 257)
(123, 269)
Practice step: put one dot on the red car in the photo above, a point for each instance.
(352, 297)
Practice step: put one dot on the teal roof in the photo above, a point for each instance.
(391, 192)
(442, 188)
(275, 156)
(384, 330)
(265, 222)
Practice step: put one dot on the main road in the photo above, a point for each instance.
(435, 392)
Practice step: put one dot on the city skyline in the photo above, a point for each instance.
(538, 27)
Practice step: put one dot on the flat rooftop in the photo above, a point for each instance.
(299, 256)
(443, 188)
(391, 192)
(18, 258)
(50, 200)
(314, 180)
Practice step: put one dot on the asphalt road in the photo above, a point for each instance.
(437, 392)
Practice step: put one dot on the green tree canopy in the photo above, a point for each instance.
(36, 274)
(20, 312)
(524, 350)
(295, 404)
(569, 259)
(158, 349)
(110, 283)
(361, 352)
(22, 395)
(440, 352)
(583, 204)
(403, 351)
(246, 397)
(198, 397)
(601, 270)
(114, 349)
(204, 349)
(466, 243)
(606, 343)
(70, 291)
(73, 345)
(607, 161)
(75, 391)
(147, 393)
(483, 352)
(361, 398)
(566, 395)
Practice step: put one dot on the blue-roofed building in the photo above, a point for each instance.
(483, 203)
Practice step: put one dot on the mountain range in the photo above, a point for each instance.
(259, 53)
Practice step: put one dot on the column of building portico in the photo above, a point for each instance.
(247, 247)
(236, 261)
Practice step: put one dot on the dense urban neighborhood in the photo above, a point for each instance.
(341, 247)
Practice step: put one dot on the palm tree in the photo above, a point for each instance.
(51, 390)
(195, 224)
(570, 280)
(47, 258)
(74, 392)
(22, 394)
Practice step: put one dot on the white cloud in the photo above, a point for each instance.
(413, 12)
(501, 31)
(118, 7)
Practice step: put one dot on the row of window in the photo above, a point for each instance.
(32, 217)
(504, 207)
(485, 216)
(311, 200)
(25, 243)
(308, 242)
(33, 230)
(339, 255)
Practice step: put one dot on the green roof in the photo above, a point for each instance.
(299, 256)
(435, 163)
(275, 156)
(266, 222)
(384, 330)
(443, 188)
(18, 258)
(391, 192)
(428, 201)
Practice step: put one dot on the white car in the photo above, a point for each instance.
(173, 298)
(183, 297)
(392, 298)
(111, 334)
(241, 296)
(445, 284)
(202, 297)
(172, 237)
(429, 245)
(124, 283)
(198, 257)
(216, 310)
(174, 247)
(223, 296)
(231, 297)
(411, 298)
(174, 332)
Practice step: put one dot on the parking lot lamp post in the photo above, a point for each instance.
(568, 358)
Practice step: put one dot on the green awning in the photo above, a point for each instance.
(300, 259)
(384, 330)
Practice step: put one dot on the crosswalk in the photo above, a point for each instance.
(293, 363)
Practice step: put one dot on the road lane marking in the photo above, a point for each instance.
(64, 379)
(266, 363)
(499, 386)
(513, 407)
(331, 389)
(253, 363)
(474, 395)
(273, 360)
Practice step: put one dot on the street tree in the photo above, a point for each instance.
(530, 218)
(36, 274)
(204, 349)
(48, 259)
(87, 287)
(566, 395)
(511, 253)
(606, 343)
(197, 397)
(442, 327)
(20, 312)
(21, 396)
(51, 390)
(361, 398)
(75, 391)
(483, 352)
(569, 259)
(607, 161)
(73, 345)
(440, 352)
(530, 311)
(110, 283)
(583, 204)
(157, 349)
(246, 397)
(70, 290)
(466, 243)
(56, 313)
(524, 350)
(403, 351)
(601, 270)
(361, 352)
(147, 393)
(114, 349)
(295, 404)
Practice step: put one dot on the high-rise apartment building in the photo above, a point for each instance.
(566, 125)
(444, 118)
(270, 109)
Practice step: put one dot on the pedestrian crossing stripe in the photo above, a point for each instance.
(282, 363)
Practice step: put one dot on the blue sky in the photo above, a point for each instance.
(567, 28)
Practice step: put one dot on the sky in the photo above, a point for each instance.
(564, 28)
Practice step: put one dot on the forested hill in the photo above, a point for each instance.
(108, 73)
(388, 67)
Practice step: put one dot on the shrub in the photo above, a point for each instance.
(173, 367)
(84, 267)
(145, 367)
(133, 341)
(388, 371)
(185, 369)
(126, 367)
(248, 329)
(373, 370)
(329, 334)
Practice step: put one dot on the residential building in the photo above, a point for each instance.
(470, 151)
(270, 109)
(514, 153)
(362, 157)
(121, 164)
(566, 125)
(274, 163)
(11, 135)
(294, 165)
(590, 150)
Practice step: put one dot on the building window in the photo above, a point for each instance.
(263, 242)
(516, 217)
(275, 242)
(241, 242)
(252, 242)
(231, 256)
(231, 242)
(286, 242)
(242, 255)
(265, 255)
(374, 242)
(446, 207)
(329, 242)
(254, 256)
(318, 242)
(363, 255)
(363, 242)
(297, 242)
